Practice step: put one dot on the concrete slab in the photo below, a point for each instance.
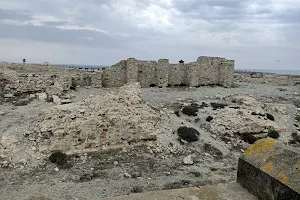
(232, 191)
(270, 170)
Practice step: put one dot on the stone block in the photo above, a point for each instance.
(270, 170)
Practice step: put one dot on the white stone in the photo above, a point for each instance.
(56, 169)
(188, 160)
(8, 96)
(127, 175)
(82, 111)
(56, 99)
(42, 96)
(116, 162)
(66, 101)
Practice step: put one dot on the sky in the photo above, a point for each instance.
(254, 33)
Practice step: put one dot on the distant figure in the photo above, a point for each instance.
(181, 61)
(46, 63)
(24, 61)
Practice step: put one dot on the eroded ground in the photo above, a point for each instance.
(145, 151)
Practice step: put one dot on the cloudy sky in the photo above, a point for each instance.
(255, 33)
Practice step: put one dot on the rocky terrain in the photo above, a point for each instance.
(64, 141)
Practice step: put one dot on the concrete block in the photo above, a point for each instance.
(270, 170)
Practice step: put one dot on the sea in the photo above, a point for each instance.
(287, 72)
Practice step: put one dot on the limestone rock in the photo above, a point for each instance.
(8, 96)
(56, 99)
(127, 175)
(188, 160)
(42, 96)
(66, 101)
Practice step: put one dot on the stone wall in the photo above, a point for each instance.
(147, 73)
(114, 77)
(132, 70)
(162, 70)
(205, 71)
(177, 74)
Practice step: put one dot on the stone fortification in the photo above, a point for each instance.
(205, 71)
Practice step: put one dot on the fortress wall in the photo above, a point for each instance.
(132, 70)
(96, 79)
(226, 73)
(162, 69)
(210, 70)
(147, 73)
(114, 76)
(205, 71)
(177, 74)
(192, 74)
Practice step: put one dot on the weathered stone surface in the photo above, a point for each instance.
(100, 121)
(42, 96)
(249, 118)
(270, 170)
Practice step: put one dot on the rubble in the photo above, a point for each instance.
(249, 118)
(111, 120)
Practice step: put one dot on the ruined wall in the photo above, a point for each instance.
(192, 74)
(147, 73)
(96, 79)
(162, 69)
(132, 70)
(205, 71)
(226, 73)
(114, 76)
(209, 70)
(177, 74)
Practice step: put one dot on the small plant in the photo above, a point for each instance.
(270, 117)
(273, 134)
(188, 134)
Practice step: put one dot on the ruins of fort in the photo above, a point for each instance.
(205, 71)
(161, 73)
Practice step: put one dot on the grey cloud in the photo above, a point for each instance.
(52, 34)
(15, 15)
(240, 30)
(54, 24)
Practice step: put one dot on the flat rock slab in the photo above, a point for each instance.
(232, 191)
(270, 170)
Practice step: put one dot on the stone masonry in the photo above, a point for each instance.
(205, 71)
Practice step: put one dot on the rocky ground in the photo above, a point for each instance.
(88, 143)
